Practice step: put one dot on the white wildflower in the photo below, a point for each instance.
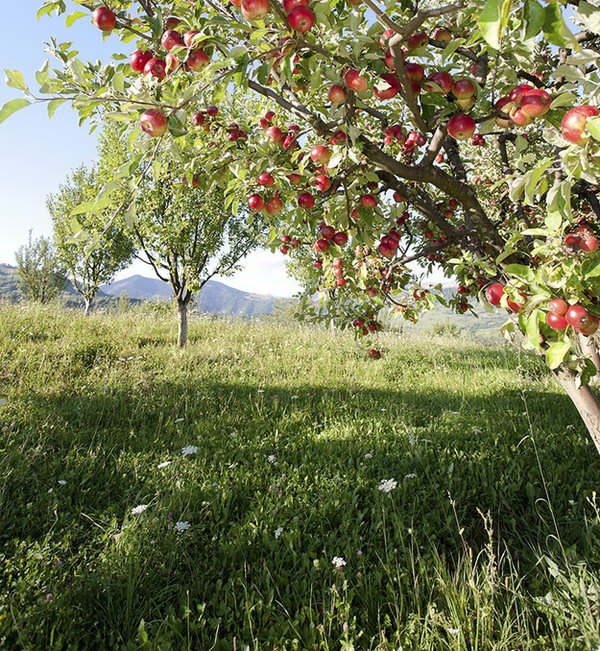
(164, 464)
(182, 526)
(278, 532)
(233, 435)
(136, 510)
(179, 420)
(271, 458)
(338, 562)
(411, 475)
(189, 449)
(62, 482)
(368, 455)
(260, 391)
(295, 397)
(387, 485)
(453, 631)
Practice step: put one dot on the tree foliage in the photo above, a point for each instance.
(40, 275)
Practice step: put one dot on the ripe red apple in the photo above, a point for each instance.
(340, 238)
(171, 39)
(518, 91)
(322, 182)
(517, 307)
(212, 110)
(156, 68)
(266, 179)
(368, 201)
(172, 22)
(274, 134)
(375, 354)
(340, 282)
(301, 19)
(438, 82)
(442, 35)
(389, 60)
(337, 95)
(503, 105)
(192, 37)
(288, 5)
(327, 231)
(306, 200)
(153, 122)
(256, 203)
(535, 102)
(139, 59)
(321, 245)
(558, 306)
(519, 118)
(286, 238)
(494, 293)
(588, 241)
(574, 123)
(414, 71)
(581, 320)
(461, 126)
(274, 205)
(294, 179)
(418, 39)
(393, 87)
(255, 9)
(463, 89)
(197, 60)
(284, 249)
(385, 37)
(198, 119)
(104, 19)
(320, 154)
(355, 81)
(338, 136)
(556, 321)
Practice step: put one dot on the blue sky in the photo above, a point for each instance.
(37, 153)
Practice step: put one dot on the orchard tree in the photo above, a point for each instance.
(464, 136)
(40, 276)
(88, 264)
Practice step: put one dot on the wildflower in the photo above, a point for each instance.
(62, 482)
(189, 449)
(410, 475)
(260, 391)
(453, 631)
(182, 526)
(179, 420)
(136, 510)
(233, 435)
(295, 397)
(338, 562)
(271, 458)
(49, 596)
(368, 455)
(278, 532)
(164, 464)
(387, 485)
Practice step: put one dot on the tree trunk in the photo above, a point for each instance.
(585, 401)
(589, 347)
(182, 315)
(88, 305)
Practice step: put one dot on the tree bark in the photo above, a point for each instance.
(589, 347)
(88, 305)
(585, 401)
(182, 316)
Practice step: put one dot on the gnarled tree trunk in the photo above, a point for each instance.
(585, 400)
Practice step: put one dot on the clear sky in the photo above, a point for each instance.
(36, 153)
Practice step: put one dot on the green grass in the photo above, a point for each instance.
(494, 544)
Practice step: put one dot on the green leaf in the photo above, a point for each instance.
(14, 79)
(11, 107)
(533, 14)
(555, 29)
(53, 104)
(532, 329)
(593, 127)
(41, 76)
(589, 16)
(520, 271)
(75, 16)
(591, 267)
(556, 353)
(493, 20)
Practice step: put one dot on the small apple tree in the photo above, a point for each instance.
(463, 136)
(88, 266)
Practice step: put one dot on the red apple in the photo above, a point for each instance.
(266, 179)
(438, 82)
(256, 203)
(418, 39)
(306, 200)
(171, 39)
(393, 87)
(518, 91)
(368, 201)
(139, 59)
(414, 71)
(558, 306)
(588, 241)
(156, 68)
(288, 5)
(274, 205)
(172, 22)
(294, 179)
(442, 35)
(322, 245)
(153, 122)
(198, 119)
(322, 182)
(556, 321)
(283, 248)
(255, 9)
(494, 293)
(535, 102)
(375, 354)
(355, 81)
(104, 19)
(340, 238)
(327, 231)
(320, 154)
(463, 89)
(581, 320)
(197, 60)
(574, 123)
(301, 19)
(274, 134)
(385, 37)
(212, 110)
(340, 282)
(337, 95)
(519, 118)
(461, 126)
(192, 37)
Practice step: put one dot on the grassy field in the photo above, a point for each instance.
(487, 539)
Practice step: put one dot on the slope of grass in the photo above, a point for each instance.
(489, 540)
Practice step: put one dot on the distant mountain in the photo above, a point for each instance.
(215, 297)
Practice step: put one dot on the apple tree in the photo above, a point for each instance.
(373, 135)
